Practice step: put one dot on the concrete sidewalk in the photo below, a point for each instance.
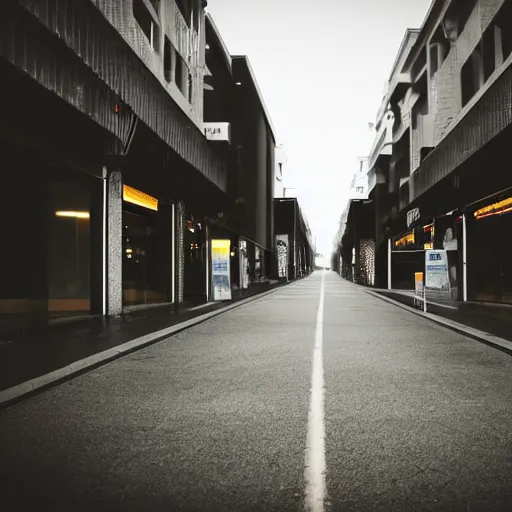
(43, 357)
(486, 323)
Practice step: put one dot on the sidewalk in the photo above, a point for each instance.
(45, 349)
(494, 319)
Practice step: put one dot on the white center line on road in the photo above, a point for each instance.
(314, 472)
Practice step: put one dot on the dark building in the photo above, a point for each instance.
(239, 130)
(101, 135)
(444, 184)
(295, 251)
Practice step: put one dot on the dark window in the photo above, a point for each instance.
(168, 51)
(189, 85)
(489, 52)
(457, 16)
(420, 108)
(156, 6)
(419, 64)
(503, 21)
(471, 76)
(147, 23)
(179, 72)
(185, 7)
(434, 60)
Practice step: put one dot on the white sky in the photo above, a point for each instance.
(321, 66)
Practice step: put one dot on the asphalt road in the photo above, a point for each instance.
(416, 417)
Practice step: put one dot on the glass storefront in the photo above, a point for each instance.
(147, 250)
(489, 243)
(51, 250)
(195, 261)
(69, 247)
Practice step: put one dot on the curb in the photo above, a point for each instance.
(481, 336)
(16, 393)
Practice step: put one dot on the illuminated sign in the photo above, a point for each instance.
(494, 209)
(413, 216)
(73, 215)
(134, 196)
(221, 271)
(405, 240)
(217, 131)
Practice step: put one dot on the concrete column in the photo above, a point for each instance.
(114, 243)
(180, 250)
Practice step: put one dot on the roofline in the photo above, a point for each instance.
(436, 7)
(216, 31)
(258, 91)
(401, 49)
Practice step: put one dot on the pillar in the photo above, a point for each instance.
(114, 242)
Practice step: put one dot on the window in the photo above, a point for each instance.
(457, 16)
(489, 52)
(179, 72)
(504, 25)
(438, 49)
(189, 87)
(185, 7)
(168, 59)
(434, 59)
(472, 77)
(420, 108)
(147, 23)
(419, 64)
(156, 6)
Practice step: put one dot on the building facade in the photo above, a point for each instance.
(444, 184)
(295, 247)
(102, 133)
(354, 244)
(245, 138)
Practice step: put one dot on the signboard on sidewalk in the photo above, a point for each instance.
(436, 271)
(221, 271)
(418, 288)
(282, 244)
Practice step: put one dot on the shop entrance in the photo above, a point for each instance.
(489, 261)
(195, 262)
(146, 258)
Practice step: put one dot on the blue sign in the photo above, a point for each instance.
(434, 256)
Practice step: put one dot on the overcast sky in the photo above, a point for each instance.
(321, 66)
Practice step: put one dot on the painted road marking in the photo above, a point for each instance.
(314, 472)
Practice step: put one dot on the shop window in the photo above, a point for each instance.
(69, 247)
(147, 23)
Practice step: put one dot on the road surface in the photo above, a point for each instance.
(318, 396)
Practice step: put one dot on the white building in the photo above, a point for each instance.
(281, 161)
